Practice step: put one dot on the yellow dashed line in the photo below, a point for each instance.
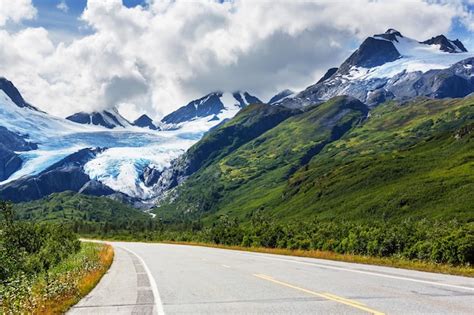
(327, 296)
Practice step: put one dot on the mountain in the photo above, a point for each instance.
(333, 161)
(391, 66)
(259, 163)
(248, 124)
(12, 92)
(107, 118)
(215, 106)
(328, 75)
(446, 45)
(280, 96)
(101, 153)
(33, 142)
(145, 122)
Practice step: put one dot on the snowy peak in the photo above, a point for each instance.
(390, 35)
(392, 66)
(12, 92)
(215, 106)
(374, 51)
(145, 122)
(446, 45)
(106, 118)
(390, 46)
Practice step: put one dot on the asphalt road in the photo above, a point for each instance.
(177, 279)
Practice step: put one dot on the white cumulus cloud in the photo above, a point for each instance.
(16, 10)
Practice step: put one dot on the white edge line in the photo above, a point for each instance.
(364, 272)
(154, 287)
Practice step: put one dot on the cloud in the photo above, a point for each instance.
(157, 57)
(15, 11)
(62, 6)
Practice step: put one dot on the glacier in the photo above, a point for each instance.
(128, 151)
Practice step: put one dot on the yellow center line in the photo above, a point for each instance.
(343, 299)
(327, 296)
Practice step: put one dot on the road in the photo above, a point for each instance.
(177, 279)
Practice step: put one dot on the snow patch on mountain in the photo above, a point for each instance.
(209, 110)
(415, 57)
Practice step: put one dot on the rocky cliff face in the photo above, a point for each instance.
(12, 92)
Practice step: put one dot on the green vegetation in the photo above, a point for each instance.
(255, 174)
(43, 267)
(85, 214)
(437, 242)
(397, 184)
(405, 161)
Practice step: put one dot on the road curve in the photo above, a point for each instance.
(176, 279)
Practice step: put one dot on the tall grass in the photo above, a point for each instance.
(56, 290)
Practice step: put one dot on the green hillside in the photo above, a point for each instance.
(87, 214)
(412, 160)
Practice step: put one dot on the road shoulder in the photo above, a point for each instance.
(124, 289)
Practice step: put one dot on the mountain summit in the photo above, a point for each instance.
(12, 92)
(107, 118)
(392, 66)
(145, 122)
(213, 106)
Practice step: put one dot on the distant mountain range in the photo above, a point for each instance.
(97, 153)
(390, 66)
(101, 153)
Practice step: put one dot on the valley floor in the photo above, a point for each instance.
(172, 279)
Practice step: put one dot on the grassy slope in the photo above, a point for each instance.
(64, 286)
(253, 174)
(404, 161)
(70, 206)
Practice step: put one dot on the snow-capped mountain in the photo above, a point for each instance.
(41, 154)
(145, 122)
(107, 118)
(213, 107)
(392, 66)
(451, 46)
(97, 153)
(11, 91)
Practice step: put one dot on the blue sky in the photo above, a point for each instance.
(64, 25)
